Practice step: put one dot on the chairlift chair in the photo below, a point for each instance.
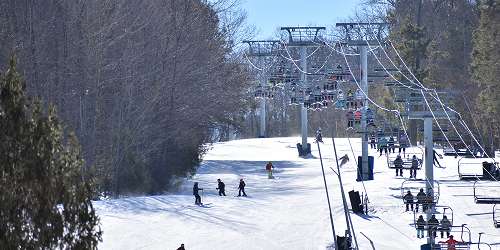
(486, 192)
(464, 242)
(471, 168)
(414, 186)
(407, 161)
(438, 210)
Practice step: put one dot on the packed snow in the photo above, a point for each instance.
(290, 211)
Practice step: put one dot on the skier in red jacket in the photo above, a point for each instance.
(451, 243)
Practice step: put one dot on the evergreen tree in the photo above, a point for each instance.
(44, 190)
(486, 67)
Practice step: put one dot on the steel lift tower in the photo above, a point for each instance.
(303, 38)
(263, 51)
(362, 35)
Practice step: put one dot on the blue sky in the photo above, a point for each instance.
(269, 15)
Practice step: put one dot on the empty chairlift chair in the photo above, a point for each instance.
(472, 168)
(486, 192)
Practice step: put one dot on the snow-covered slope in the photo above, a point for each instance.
(288, 212)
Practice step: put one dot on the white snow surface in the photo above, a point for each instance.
(288, 212)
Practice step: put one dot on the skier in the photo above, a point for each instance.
(445, 226)
(390, 145)
(398, 164)
(432, 225)
(221, 187)
(408, 198)
(269, 169)
(420, 226)
(357, 117)
(373, 145)
(197, 197)
(343, 160)
(451, 243)
(403, 144)
(414, 167)
(436, 162)
(382, 145)
(181, 247)
(350, 119)
(241, 188)
(421, 197)
(319, 137)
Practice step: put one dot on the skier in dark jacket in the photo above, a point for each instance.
(197, 197)
(181, 247)
(373, 144)
(445, 226)
(420, 226)
(414, 166)
(408, 198)
(432, 225)
(421, 198)
(390, 145)
(436, 162)
(221, 187)
(241, 188)
(398, 164)
(403, 144)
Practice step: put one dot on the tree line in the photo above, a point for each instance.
(144, 85)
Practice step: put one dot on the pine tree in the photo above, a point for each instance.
(45, 194)
(486, 67)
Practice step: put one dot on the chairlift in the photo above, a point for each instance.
(330, 85)
(414, 186)
(486, 192)
(464, 243)
(317, 96)
(407, 161)
(439, 212)
(472, 168)
(328, 96)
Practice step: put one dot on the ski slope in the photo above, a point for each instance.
(288, 212)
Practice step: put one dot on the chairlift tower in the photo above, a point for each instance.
(303, 38)
(428, 116)
(362, 35)
(262, 50)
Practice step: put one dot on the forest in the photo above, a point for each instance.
(144, 85)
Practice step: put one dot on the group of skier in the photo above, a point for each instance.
(398, 165)
(422, 198)
(433, 225)
(221, 187)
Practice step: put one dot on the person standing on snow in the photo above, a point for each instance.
(181, 247)
(221, 187)
(269, 169)
(373, 145)
(390, 145)
(241, 188)
(197, 197)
